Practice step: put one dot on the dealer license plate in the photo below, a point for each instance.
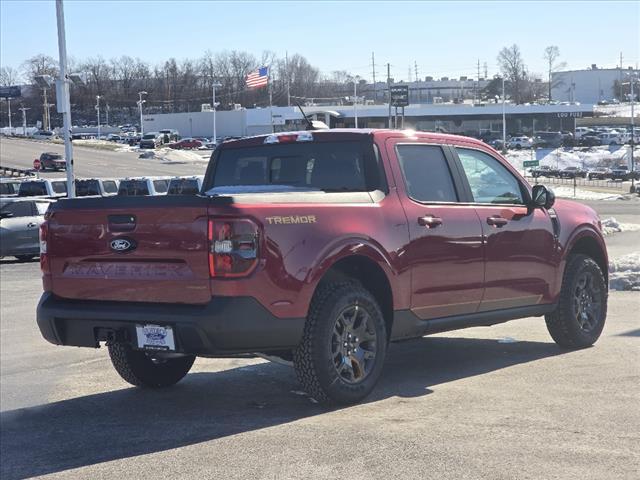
(155, 337)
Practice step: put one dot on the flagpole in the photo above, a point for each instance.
(273, 130)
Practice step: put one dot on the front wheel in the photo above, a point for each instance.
(341, 355)
(580, 315)
(143, 369)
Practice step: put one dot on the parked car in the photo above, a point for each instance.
(591, 139)
(567, 139)
(611, 138)
(599, 173)
(573, 172)
(620, 172)
(548, 140)
(185, 185)
(376, 240)
(498, 144)
(43, 187)
(520, 142)
(186, 143)
(112, 137)
(143, 186)
(52, 161)
(206, 143)
(580, 131)
(151, 140)
(43, 135)
(544, 171)
(100, 187)
(9, 187)
(20, 220)
(169, 135)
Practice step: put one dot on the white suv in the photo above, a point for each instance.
(520, 142)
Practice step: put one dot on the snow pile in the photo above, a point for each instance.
(580, 194)
(602, 156)
(624, 272)
(611, 225)
(169, 155)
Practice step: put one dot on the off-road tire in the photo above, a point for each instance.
(313, 360)
(137, 367)
(562, 323)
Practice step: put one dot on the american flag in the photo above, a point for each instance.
(258, 78)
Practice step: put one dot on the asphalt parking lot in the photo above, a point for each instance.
(496, 403)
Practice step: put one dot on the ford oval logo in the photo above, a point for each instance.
(122, 245)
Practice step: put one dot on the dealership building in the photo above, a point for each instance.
(467, 119)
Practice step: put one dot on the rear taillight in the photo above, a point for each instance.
(44, 257)
(233, 247)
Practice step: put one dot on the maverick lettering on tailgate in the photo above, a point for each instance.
(129, 270)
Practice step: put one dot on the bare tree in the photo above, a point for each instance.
(551, 54)
(514, 70)
(8, 76)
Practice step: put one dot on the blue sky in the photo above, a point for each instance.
(444, 38)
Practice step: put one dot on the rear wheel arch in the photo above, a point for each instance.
(368, 273)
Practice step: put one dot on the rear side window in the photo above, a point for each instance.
(426, 173)
(160, 186)
(59, 187)
(133, 187)
(42, 207)
(109, 186)
(329, 166)
(32, 189)
(19, 209)
(7, 188)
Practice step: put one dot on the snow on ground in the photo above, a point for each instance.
(561, 158)
(611, 225)
(169, 155)
(581, 194)
(624, 272)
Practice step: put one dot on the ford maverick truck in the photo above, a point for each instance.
(320, 247)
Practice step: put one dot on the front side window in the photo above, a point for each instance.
(59, 187)
(109, 186)
(18, 209)
(426, 173)
(489, 180)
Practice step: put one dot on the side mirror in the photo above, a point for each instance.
(542, 197)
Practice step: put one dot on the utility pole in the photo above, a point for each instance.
(140, 102)
(98, 110)
(24, 120)
(486, 70)
(373, 72)
(415, 67)
(63, 99)
(389, 91)
(355, 100)
(633, 137)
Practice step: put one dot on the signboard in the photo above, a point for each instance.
(10, 92)
(36, 164)
(530, 163)
(399, 95)
(569, 114)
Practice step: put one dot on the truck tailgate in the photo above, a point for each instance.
(143, 249)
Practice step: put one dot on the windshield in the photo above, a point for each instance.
(328, 166)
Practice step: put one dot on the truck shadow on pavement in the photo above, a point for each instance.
(124, 423)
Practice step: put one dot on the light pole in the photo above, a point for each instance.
(355, 99)
(140, 102)
(9, 104)
(632, 80)
(24, 120)
(98, 110)
(504, 120)
(64, 104)
(214, 105)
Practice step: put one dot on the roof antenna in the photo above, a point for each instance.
(312, 124)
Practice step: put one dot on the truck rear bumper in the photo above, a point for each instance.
(225, 325)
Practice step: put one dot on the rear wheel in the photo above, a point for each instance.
(341, 355)
(579, 318)
(143, 369)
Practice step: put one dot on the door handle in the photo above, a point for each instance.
(430, 221)
(497, 221)
(31, 225)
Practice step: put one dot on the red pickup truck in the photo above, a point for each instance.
(320, 247)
